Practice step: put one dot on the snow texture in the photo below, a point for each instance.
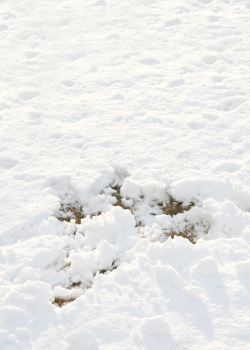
(151, 99)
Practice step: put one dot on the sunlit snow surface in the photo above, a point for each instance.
(150, 95)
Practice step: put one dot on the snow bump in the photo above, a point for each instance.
(155, 326)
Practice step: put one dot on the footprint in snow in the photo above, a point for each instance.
(117, 97)
(55, 135)
(217, 79)
(210, 117)
(196, 125)
(205, 2)
(68, 82)
(3, 27)
(100, 3)
(114, 36)
(35, 118)
(172, 22)
(28, 95)
(92, 69)
(213, 18)
(30, 54)
(209, 59)
(232, 103)
(149, 61)
(8, 163)
(227, 43)
(176, 82)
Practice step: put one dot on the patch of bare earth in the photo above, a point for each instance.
(171, 207)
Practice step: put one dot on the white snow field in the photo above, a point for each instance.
(125, 175)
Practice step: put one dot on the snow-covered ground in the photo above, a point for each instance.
(109, 110)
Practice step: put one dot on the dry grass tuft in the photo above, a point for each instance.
(117, 195)
(95, 214)
(69, 212)
(188, 232)
(138, 223)
(174, 207)
(74, 285)
(62, 302)
(112, 268)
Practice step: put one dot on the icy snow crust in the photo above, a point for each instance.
(152, 97)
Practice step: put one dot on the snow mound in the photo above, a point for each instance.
(81, 339)
(155, 326)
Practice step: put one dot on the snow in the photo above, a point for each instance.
(81, 339)
(109, 111)
(155, 326)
